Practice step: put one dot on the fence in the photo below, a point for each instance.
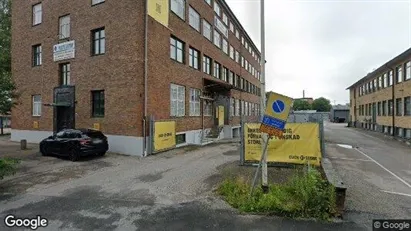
(303, 141)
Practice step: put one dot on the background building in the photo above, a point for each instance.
(381, 100)
(103, 64)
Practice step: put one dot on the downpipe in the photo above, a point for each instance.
(145, 79)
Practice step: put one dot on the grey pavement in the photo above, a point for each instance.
(377, 171)
(168, 191)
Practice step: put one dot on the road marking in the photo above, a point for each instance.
(397, 193)
(393, 174)
(344, 158)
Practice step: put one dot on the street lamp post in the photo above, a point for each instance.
(262, 98)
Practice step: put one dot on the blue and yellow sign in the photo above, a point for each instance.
(276, 114)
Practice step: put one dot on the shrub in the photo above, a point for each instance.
(8, 166)
(305, 195)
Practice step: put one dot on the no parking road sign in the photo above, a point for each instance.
(276, 114)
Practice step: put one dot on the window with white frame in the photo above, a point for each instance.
(207, 108)
(231, 27)
(246, 64)
(36, 105)
(225, 74)
(237, 34)
(194, 102)
(225, 19)
(207, 65)
(217, 69)
(399, 74)
(217, 9)
(408, 70)
(64, 27)
(177, 100)
(206, 29)
(231, 77)
(390, 78)
(246, 45)
(194, 19)
(232, 52)
(179, 8)
(208, 2)
(37, 14)
(237, 107)
(194, 58)
(385, 83)
(217, 39)
(249, 49)
(176, 50)
(242, 40)
(237, 57)
(232, 107)
(242, 61)
(95, 2)
(379, 82)
(246, 112)
(225, 46)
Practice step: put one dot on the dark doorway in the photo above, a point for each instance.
(64, 108)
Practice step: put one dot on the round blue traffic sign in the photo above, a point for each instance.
(278, 106)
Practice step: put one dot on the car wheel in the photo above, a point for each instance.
(43, 150)
(73, 154)
(101, 153)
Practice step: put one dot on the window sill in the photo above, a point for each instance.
(97, 117)
(97, 4)
(36, 116)
(97, 55)
(34, 25)
(182, 19)
(177, 61)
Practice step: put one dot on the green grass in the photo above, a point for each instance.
(305, 195)
(8, 166)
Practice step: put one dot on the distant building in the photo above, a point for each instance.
(309, 100)
(340, 113)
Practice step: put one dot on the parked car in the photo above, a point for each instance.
(75, 143)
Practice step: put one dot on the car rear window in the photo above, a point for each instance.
(94, 134)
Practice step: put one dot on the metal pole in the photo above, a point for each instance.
(260, 165)
(145, 78)
(264, 156)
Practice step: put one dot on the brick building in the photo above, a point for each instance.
(106, 64)
(381, 101)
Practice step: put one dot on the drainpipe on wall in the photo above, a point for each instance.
(145, 78)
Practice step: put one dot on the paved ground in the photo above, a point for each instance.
(377, 171)
(169, 191)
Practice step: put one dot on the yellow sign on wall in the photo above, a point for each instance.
(96, 126)
(299, 144)
(36, 124)
(158, 9)
(164, 135)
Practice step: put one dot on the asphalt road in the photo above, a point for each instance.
(168, 191)
(377, 171)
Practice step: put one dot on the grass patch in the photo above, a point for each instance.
(8, 166)
(305, 195)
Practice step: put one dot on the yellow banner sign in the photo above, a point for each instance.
(164, 135)
(299, 144)
(158, 9)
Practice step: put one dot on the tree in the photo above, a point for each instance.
(321, 105)
(299, 105)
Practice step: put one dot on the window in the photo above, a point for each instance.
(179, 8)
(231, 78)
(399, 74)
(379, 109)
(249, 49)
(242, 61)
(390, 107)
(380, 82)
(206, 29)
(194, 58)
(237, 34)
(407, 106)
(180, 139)
(398, 107)
(194, 19)
(97, 102)
(408, 70)
(194, 102)
(99, 41)
(94, 2)
(242, 83)
(177, 100)
(390, 78)
(238, 81)
(237, 107)
(225, 19)
(36, 105)
(208, 2)
(217, 39)
(246, 64)
(65, 74)
(384, 108)
(374, 88)
(242, 40)
(225, 46)
(232, 107)
(217, 8)
(385, 83)
(231, 27)
(37, 14)
(207, 65)
(208, 108)
(64, 27)
(176, 50)
(225, 74)
(246, 45)
(217, 69)
(246, 108)
(232, 52)
(237, 57)
(369, 109)
(36, 55)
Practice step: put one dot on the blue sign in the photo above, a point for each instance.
(273, 122)
(278, 106)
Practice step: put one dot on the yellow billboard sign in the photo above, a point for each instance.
(96, 126)
(276, 114)
(164, 135)
(36, 124)
(158, 9)
(299, 144)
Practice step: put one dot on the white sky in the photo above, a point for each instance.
(324, 46)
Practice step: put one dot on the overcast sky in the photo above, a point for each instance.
(323, 47)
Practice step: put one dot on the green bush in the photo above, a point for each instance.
(305, 195)
(8, 166)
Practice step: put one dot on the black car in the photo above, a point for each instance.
(75, 143)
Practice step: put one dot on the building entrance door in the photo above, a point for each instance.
(64, 108)
(220, 110)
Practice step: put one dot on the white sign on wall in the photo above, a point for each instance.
(220, 26)
(63, 51)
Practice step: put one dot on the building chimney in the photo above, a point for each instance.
(303, 94)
